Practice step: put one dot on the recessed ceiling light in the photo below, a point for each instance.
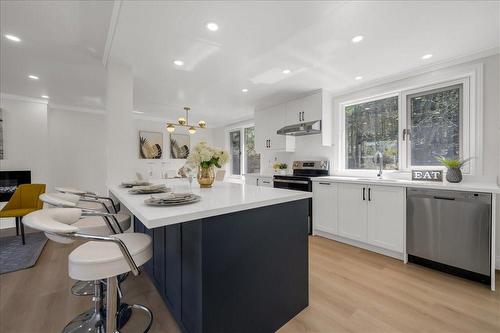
(244, 90)
(33, 77)
(212, 26)
(13, 38)
(138, 112)
(45, 96)
(178, 62)
(357, 39)
(286, 71)
(367, 108)
(358, 78)
(427, 56)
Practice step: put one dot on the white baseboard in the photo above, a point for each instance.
(362, 245)
(7, 222)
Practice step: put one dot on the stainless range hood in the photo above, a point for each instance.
(309, 128)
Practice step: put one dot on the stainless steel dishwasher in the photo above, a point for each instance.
(450, 231)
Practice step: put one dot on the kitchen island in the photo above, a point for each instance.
(237, 261)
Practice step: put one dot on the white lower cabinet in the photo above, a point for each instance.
(352, 211)
(325, 196)
(369, 214)
(386, 217)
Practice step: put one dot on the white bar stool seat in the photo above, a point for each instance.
(101, 260)
(94, 225)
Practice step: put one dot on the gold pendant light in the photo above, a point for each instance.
(184, 122)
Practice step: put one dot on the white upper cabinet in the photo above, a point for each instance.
(267, 123)
(304, 109)
(317, 106)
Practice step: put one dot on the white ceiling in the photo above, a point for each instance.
(63, 42)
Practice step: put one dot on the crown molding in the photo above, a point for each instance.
(111, 31)
(420, 70)
(63, 107)
(23, 98)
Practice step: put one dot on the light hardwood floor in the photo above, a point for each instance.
(351, 290)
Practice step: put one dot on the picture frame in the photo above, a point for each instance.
(179, 146)
(150, 145)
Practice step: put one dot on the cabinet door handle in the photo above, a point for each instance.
(269, 143)
(266, 182)
(369, 194)
(302, 115)
(324, 183)
(364, 198)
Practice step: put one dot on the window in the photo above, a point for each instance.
(252, 158)
(433, 121)
(371, 127)
(243, 140)
(235, 152)
(434, 118)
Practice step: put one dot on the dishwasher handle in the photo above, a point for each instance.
(444, 198)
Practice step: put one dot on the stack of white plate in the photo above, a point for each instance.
(149, 189)
(172, 199)
(133, 183)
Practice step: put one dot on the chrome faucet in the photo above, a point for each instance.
(379, 159)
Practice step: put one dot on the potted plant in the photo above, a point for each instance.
(205, 158)
(280, 168)
(453, 173)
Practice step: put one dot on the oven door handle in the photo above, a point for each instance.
(291, 181)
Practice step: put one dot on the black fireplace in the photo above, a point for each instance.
(9, 180)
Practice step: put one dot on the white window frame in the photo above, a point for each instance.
(465, 124)
(228, 130)
(472, 117)
(342, 152)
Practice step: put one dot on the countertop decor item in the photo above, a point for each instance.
(280, 168)
(184, 122)
(206, 158)
(454, 172)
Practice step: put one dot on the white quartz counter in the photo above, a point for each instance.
(222, 198)
(466, 186)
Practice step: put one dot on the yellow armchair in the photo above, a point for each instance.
(24, 201)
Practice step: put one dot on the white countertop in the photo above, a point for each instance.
(222, 198)
(465, 186)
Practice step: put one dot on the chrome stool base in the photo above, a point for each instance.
(83, 288)
(148, 312)
(89, 321)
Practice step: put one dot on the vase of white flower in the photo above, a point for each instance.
(206, 176)
(206, 158)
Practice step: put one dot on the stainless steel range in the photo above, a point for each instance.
(300, 180)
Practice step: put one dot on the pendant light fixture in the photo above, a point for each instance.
(184, 122)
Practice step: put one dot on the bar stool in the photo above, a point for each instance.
(103, 257)
(95, 223)
(92, 198)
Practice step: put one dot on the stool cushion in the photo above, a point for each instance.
(100, 260)
(95, 225)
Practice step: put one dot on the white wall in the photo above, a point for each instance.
(25, 137)
(166, 163)
(76, 149)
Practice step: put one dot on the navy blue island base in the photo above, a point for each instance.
(240, 272)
